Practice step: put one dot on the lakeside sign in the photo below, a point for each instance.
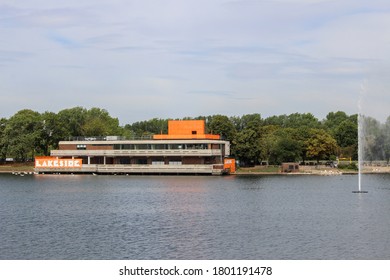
(53, 162)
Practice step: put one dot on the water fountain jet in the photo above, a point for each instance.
(360, 153)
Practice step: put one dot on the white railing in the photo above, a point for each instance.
(155, 168)
(58, 153)
(139, 168)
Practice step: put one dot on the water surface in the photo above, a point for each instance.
(194, 217)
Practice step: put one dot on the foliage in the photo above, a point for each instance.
(98, 122)
(150, 127)
(222, 125)
(293, 120)
(246, 147)
(350, 166)
(252, 121)
(3, 144)
(72, 121)
(344, 130)
(321, 145)
(28, 133)
(267, 142)
(51, 132)
(286, 150)
(276, 139)
(21, 135)
(386, 135)
(334, 119)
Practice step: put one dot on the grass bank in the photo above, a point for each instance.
(16, 167)
(274, 169)
(271, 169)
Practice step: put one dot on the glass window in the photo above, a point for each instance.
(141, 146)
(160, 147)
(175, 163)
(177, 146)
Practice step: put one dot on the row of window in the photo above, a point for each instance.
(160, 146)
(154, 146)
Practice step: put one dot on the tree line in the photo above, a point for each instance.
(275, 139)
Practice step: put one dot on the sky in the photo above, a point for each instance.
(143, 59)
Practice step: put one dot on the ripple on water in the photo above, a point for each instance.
(254, 217)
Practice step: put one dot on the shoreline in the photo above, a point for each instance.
(29, 169)
(32, 172)
(334, 173)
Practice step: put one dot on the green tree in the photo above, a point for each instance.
(252, 121)
(3, 146)
(267, 142)
(280, 120)
(52, 132)
(98, 122)
(386, 133)
(321, 145)
(149, 127)
(334, 119)
(298, 120)
(287, 148)
(22, 134)
(346, 136)
(295, 120)
(246, 147)
(222, 125)
(72, 120)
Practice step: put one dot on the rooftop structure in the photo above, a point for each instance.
(186, 149)
(189, 129)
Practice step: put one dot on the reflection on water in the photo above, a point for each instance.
(180, 217)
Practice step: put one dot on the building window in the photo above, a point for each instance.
(142, 161)
(159, 147)
(194, 132)
(175, 163)
(142, 146)
(176, 146)
(123, 147)
(158, 162)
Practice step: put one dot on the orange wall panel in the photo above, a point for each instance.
(186, 127)
(230, 163)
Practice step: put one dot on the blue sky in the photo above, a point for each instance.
(142, 59)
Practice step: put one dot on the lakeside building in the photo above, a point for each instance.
(186, 149)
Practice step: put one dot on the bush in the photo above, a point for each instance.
(351, 166)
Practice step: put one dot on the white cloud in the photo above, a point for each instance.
(244, 56)
(360, 36)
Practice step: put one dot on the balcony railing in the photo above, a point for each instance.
(215, 169)
(108, 138)
(115, 153)
(119, 138)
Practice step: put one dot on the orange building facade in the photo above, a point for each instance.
(189, 129)
(186, 149)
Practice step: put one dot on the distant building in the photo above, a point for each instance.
(186, 149)
(290, 167)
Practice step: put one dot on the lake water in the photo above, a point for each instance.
(194, 217)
